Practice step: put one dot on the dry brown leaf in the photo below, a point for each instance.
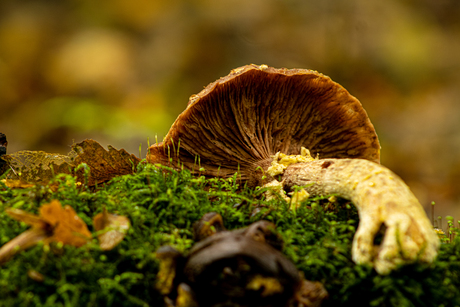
(104, 164)
(3, 146)
(37, 166)
(112, 228)
(31, 167)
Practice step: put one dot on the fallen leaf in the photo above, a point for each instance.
(55, 224)
(38, 167)
(69, 228)
(26, 217)
(104, 164)
(112, 229)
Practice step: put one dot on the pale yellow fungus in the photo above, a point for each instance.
(298, 197)
(282, 161)
(275, 190)
(267, 285)
(439, 231)
(332, 199)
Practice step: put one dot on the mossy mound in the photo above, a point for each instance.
(162, 205)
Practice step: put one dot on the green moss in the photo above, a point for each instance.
(162, 204)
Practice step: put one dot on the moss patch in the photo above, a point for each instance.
(162, 204)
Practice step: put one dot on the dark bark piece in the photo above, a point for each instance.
(3, 146)
(242, 267)
(245, 267)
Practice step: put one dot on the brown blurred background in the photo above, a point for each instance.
(120, 71)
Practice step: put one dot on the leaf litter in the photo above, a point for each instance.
(62, 225)
(29, 167)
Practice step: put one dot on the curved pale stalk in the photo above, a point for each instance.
(382, 198)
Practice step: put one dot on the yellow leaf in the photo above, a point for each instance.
(69, 228)
(54, 224)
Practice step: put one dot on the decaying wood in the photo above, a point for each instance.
(381, 198)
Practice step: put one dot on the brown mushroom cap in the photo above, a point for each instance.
(238, 122)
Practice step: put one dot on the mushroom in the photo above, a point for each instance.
(243, 267)
(255, 122)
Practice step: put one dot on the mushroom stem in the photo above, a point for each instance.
(382, 199)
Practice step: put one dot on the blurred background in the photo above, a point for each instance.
(120, 71)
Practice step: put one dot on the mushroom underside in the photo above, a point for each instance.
(239, 122)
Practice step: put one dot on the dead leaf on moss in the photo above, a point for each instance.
(54, 224)
(112, 228)
(104, 165)
(68, 227)
(38, 167)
